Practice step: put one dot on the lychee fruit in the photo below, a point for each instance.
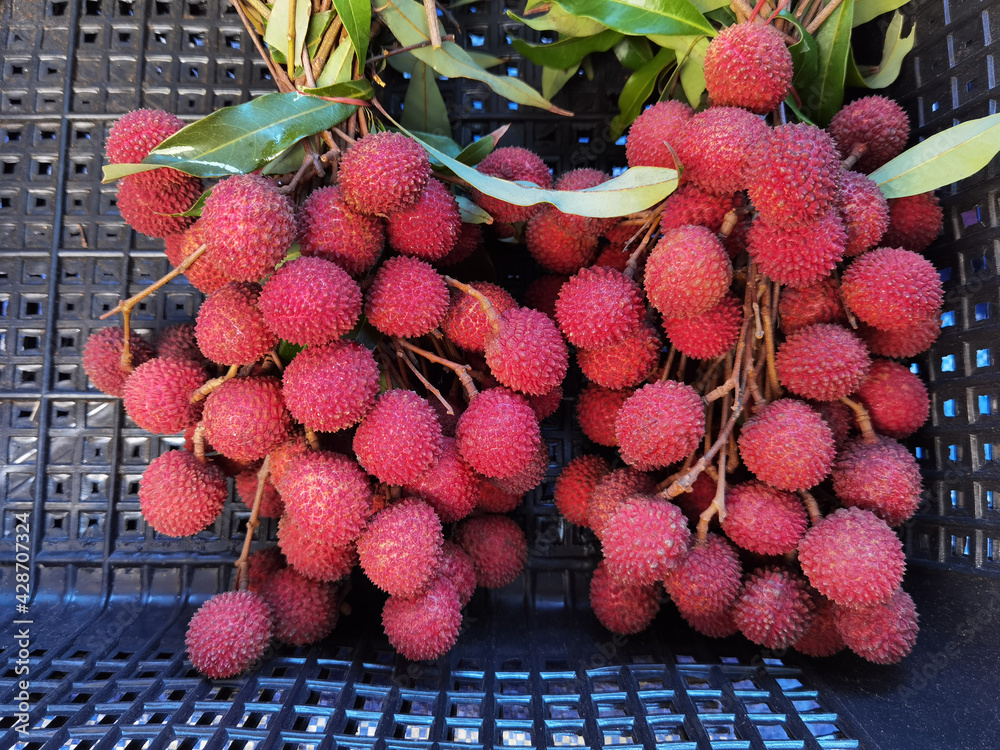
(696, 500)
(493, 499)
(408, 298)
(497, 547)
(425, 626)
(554, 248)
(180, 495)
(331, 387)
(528, 478)
(429, 227)
(657, 127)
(623, 608)
(598, 306)
(246, 418)
(875, 122)
(327, 494)
(270, 500)
(498, 433)
(465, 322)
(892, 288)
(687, 272)
(514, 164)
(332, 230)
(902, 343)
(710, 334)
(748, 65)
(816, 303)
(157, 395)
(400, 439)
(689, 205)
(457, 567)
(626, 363)
(596, 411)
(788, 445)
(470, 237)
(714, 625)
(822, 637)
(824, 362)
(303, 611)
(177, 342)
(774, 608)
(543, 292)
(284, 454)
(707, 580)
(864, 211)
(764, 520)
(102, 357)
(264, 563)
(611, 492)
(839, 417)
(313, 556)
(581, 179)
(383, 173)
(546, 404)
(575, 485)
(882, 477)
(135, 134)
(231, 328)
(147, 207)
(228, 634)
(915, 221)
(716, 146)
(526, 352)
(881, 633)
(645, 540)
(203, 274)
(400, 551)
(659, 424)
(800, 255)
(896, 399)
(451, 487)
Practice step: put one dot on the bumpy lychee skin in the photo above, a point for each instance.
(707, 579)
(426, 626)
(400, 439)
(657, 126)
(429, 227)
(838, 417)
(310, 301)
(408, 298)
(626, 363)
(764, 520)
(687, 272)
(864, 210)
(598, 306)
(622, 608)
(546, 404)
(102, 356)
(526, 352)
(611, 492)
(284, 454)
(516, 164)
(303, 611)
(246, 490)
(716, 147)
(554, 248)
(313, 556)
(853, 558)
(896, 399)
(400, 551)
(543, 292)
(525, 480)
(383, 173)
(596, 411)
(451, 487)
(332, 230)
(875, 122)
(497, 547)
(457, 567)
(245, 418)
(748, 65)
(915, 221)
(327, 494)
(794, 175)
(689, 205)
(645, 540)
(902, 343)
(204, 275)
(179, 495)
(177, 342)
(816, 303)
(822, 638)
(801, 255)
(249, 226)
(714, 625)
(228, 634)
(575, 485)
(136, 133)
(659, 424)
(774, 608)
(823, 362)
(710, 334)
(465, 322)
(581, 179)
(787, 445)
(157, 395)
(498, 433)
(147, 207)
(264, 563)
(882, 477)
(470, 237)
(881, 633)
(231, 329)
(331, 387)
(892, 288)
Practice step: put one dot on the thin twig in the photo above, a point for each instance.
(633, 260)
(772, 368)
(326, 46)
(462, 371)
(307, 67)
(212, 384)
(430, 10)
(312, 438)
(242, 582)
(863, 418)
(262, 9)
(198, 440)
(405, 357)
(290, 36)
(811, 506)
(824, 14)
(408, 48)
(278, 75)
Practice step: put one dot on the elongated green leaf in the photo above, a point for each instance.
(557, 19)
(944, 158)
(240, 139)
(276, 34)
(289, 161)
(799, 114)
(471, 213)
(569, 51)
(690, 53)
(643, 17)
(805, 54)
(484, 60)
(633, 52)
(866, 10)
(424, 107)
(894, 50)
(476, 151)
(338, 66)
(357, 18)
(408, 23)
(722, 16)
(346, 90)
(823, 98)
(637, 89)
(707, 6)
(318, 25)
(553, 79)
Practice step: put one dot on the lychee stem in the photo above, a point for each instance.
(729, 222)
(198, 439)
(405, 357)
(214, 383)
(277, 74)
(242, 582)
(312, 438)
(633, 260)
(859, 150)
(718, 505)
(430, 9)
(290, 36)
(824, 14)
(462, 371)
(863, 419)
(492, 316)
(774, 385)
(811, 506)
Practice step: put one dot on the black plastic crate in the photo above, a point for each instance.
(111, 599)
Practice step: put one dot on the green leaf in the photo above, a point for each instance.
(408, 23)
(345, 90)
(805, 54)
(894, 50)
(557, 19)
(643, 17)
(823, 98)
(553, 79)
(484, 60)
(288, 162)
(276, 34)
(365, 334)
(944, 158)
(287, 351)
(722, 16)
(338, 66)
(476, 151)
(637, 89)
(569, 51)
(424, 107)
(790, 103)
(708, 6)
(357, 18)
(471, 213)
(318, 25)
(440, 142)
(866, 10)
(690, 53)
(196, 207)
(240, 139)
(634, 51)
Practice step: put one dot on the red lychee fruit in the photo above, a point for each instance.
(147, 207)
(526, 352)
(864, 211)
(774, 608)
(246, 489)
(598, 306)
(748, 65)
(400, 439)
(284, 454)
(248, 226)
(457, 567)
(429, 227)
(891, 288)
(332, 230)
(695, 501)
(853, 558)
(303, 611)
(816, 303)
(838, 417)
(581, 179)
(626, 363)
(788, 445)
(179, 495)
(228, 634)
(801, 255)
(383, 173)
(497, 547)
(514, 164)
(264, 563)
(465, 322)
(716, 146)
(528, 478)
(645, 540)
(177, 342)
(764, 520)
(331, 387)
(707, 579)
(689, 205)
(310, 301)
(554, 248)
(136, 133)
(623, 608)
(714, 625)
(157, 395)
(313, 556)
(102, 357)
(710, 334)
(822, 637)
(875, 122)
(596, 411)
(493, 499)
(426, 626)
(230, 327)
(881, 633)
(400, 551)
(328, 495)
(203, 274)
(498, 433)
(653, 130)
(659, 424)
(408, 298)
(246, 418)
(823, 362)
(470, 237)
(915, 221)
(882, 477)
(546, 404)
(794, 175)
(611, 492)
(451, 487)
(896, 399)
(687, 273)
(902, 343)
(575, 485)
(543, 292)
